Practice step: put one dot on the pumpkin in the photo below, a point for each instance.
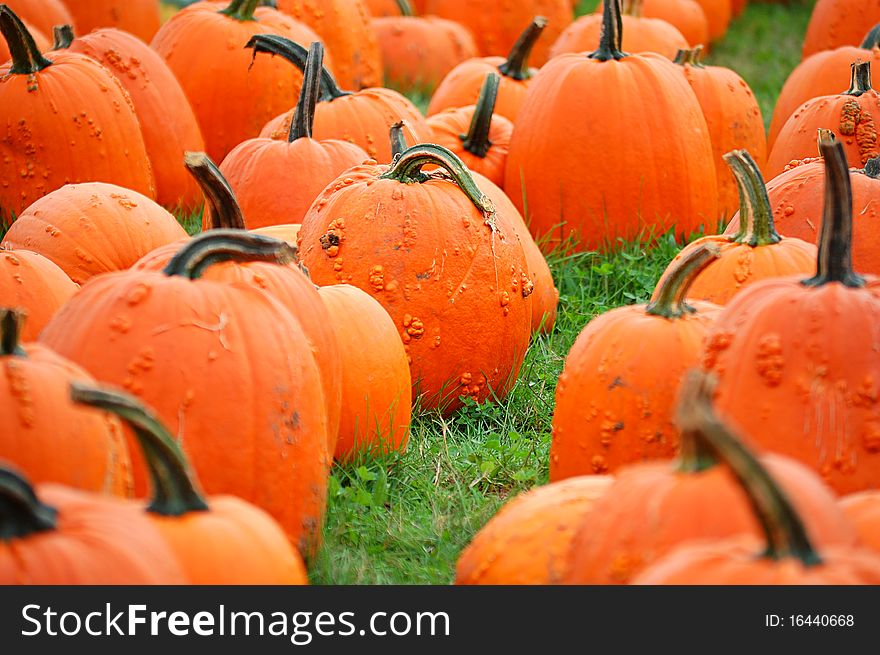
(39, 94)
(497, 26)
(461, 87)
(231, 94)
(595, 145)
(433, 250)
(377, 8)
(190, 347)
(851, 115)
(33, 283)
(43, 15)
(93, 228)
(615, 397)
(363, 117)
(58, 535)
(756, 251)
(863, 509)
(276, 181)
(344, 28)
(732, 115)
(836, 23)
(375, 381)
(418, 51)
(138, 17)
(788, 554)
(718, 13)
(652, 508)
(805, 394)
(46, 435)
(821, 74)
(527, 541)
(218, 540)
(687, 16)
(167, 121)
(479, 137)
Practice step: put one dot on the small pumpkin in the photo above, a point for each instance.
(836, 23)
(138, 17)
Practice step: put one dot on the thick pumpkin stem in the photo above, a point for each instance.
(21, 512)
(671, 296)
(860, 82)
(217, 246)
(242, 10)
(175, 492)
(407, 169)
(694, 57)
(517, 64)
(26, 56)
(476, 141)
(293, 52)
(398, 140)
(755, 213)
(405, 7)
(224, 208)
(304, 115)
(835, 238)
(612, 33)
(872, 38)
(11, 323)
(783, 529)
(64, 37)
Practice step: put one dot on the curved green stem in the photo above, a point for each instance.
(612, 33)
(293, 52)
(756, 226)
(405, 7)
(174, 487)
(26, 56)
(224, 208)
(517, 64)
(398, 140)
(834, 262)
(476, 141)
(304, 115)
(783, 529)
(64, 36)
(408, 166)
(872, 38)
(21, 512)
(11, 323)
(671, 295)
(242, 10)
(694, 57)
(218, 246)
(860, 82)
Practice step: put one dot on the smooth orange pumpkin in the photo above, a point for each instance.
(836, 23)
(44, 15)
(138, 17)
(640, 35)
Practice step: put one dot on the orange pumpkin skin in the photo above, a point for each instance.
(718, 14)
(199, 41)
(34, 284)
(188, 348)
(836, 23)
(44, 15)
(450, 125)
(344, 28)
(286, 232)
(167, 120)
(93, 228)
(496, 26)
(376, 382)
(863, 509)
(640, 35)
(104, 143)
(442, 270)
(138, 17)
(377, 8)
(687, 16)
(527, 541)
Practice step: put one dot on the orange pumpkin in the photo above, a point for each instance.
(527, 541)
(93, 228)
(756, 251)
(39, 94)
(138, 17)
(863, 509)
(189, 347)
(718, 13)
(687, 16)
(805, 394)
(378, 8)
(433, 250)
(34, 284)
(836, 23)
(43, 15)
(276, 181)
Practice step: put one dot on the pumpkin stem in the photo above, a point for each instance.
(64, 36)
(835, 238)
(298, 56)
(21, 512)
(175, 492)
(476, 141)
(11, 323)
(694, 57)
(756, 216)
(407, 169)
(220, 245)
(242, 10)
(517, 64)
(860, 82)
(405, 8)
(872, 38)
(671, 295)
(304, 115)
(398, 140)
(872, 168)
(224, 208)
(26, 56)
(612, 33)
(783, 529)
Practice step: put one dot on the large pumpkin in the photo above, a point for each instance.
(836, 23)
(138, 17)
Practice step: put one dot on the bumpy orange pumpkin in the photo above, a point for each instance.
(836, 23)
(138, 17)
